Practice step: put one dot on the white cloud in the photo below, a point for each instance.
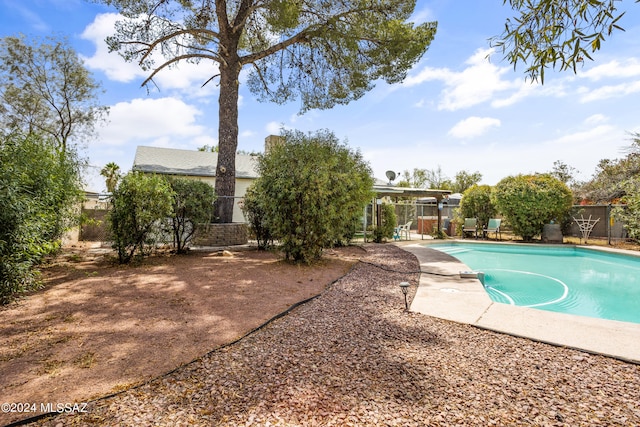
(114, 66)
(423, 15)
(582, 139)
(526, 89)
(162, 142)
(152, 121)
(613, 69)
(273, 128)
(185, 76)
(606, 92)
(595, 119)
(190, 77)
(621, 76)
(473, 126)
(498, 160)
(585, 148)
(294, 118)
(479, 82)
(169, 141)
(427, 74)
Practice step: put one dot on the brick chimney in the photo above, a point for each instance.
(272, 141)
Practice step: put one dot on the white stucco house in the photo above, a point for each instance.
(198, 165)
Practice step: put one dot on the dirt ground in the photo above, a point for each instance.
(98, 328)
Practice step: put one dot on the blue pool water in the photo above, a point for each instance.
(562, 279)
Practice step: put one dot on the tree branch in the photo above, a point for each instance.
(175, 60)
(175, 34)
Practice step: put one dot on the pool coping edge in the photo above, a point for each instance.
(443, 294)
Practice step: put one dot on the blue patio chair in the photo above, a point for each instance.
(470, 226)
(493, 227)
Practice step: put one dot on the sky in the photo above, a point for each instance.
(462, 107)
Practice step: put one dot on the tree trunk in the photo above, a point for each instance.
(227, 137)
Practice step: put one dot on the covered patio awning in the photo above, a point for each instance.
(393, 191)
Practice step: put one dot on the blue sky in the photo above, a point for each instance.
(455, 111)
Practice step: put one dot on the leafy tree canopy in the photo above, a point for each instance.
(326, 52)
(416, 179)
(435, 178)
(465, 180)
(562, 34)
(630, 213)
(564, 172)
(618, 181)
(38, 193)
(192, 205)
(111, 174)
(321, 52)
(529, 201)
(311, 192)
(387, 225)
(425, 178)
(140, 203)
(476, 203)
(45, 88)
(611, 178)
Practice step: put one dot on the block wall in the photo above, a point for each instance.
(221, 234)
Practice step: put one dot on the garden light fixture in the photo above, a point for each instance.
(404, 286)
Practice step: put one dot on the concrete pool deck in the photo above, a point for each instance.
(444, 294)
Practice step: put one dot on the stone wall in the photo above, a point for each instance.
(232, 234)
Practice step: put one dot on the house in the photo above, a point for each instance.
(200, 165)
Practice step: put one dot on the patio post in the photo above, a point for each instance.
(439, 201)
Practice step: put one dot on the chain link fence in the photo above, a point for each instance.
(422, 216)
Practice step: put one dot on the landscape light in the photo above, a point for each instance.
(404, 286)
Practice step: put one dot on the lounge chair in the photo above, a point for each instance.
(470, 226)
(493, 227)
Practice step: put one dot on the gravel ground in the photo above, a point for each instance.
(354, 357)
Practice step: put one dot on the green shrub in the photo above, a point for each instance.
(140, 204)
(39, 188)
(192, 205)
(255, 214)
(438, 234)
(385, 229)
(630, 214)
(529, 201)
(311, 190)
(476, 203)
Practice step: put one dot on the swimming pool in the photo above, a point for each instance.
(569, 280)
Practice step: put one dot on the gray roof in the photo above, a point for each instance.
(172, 161)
